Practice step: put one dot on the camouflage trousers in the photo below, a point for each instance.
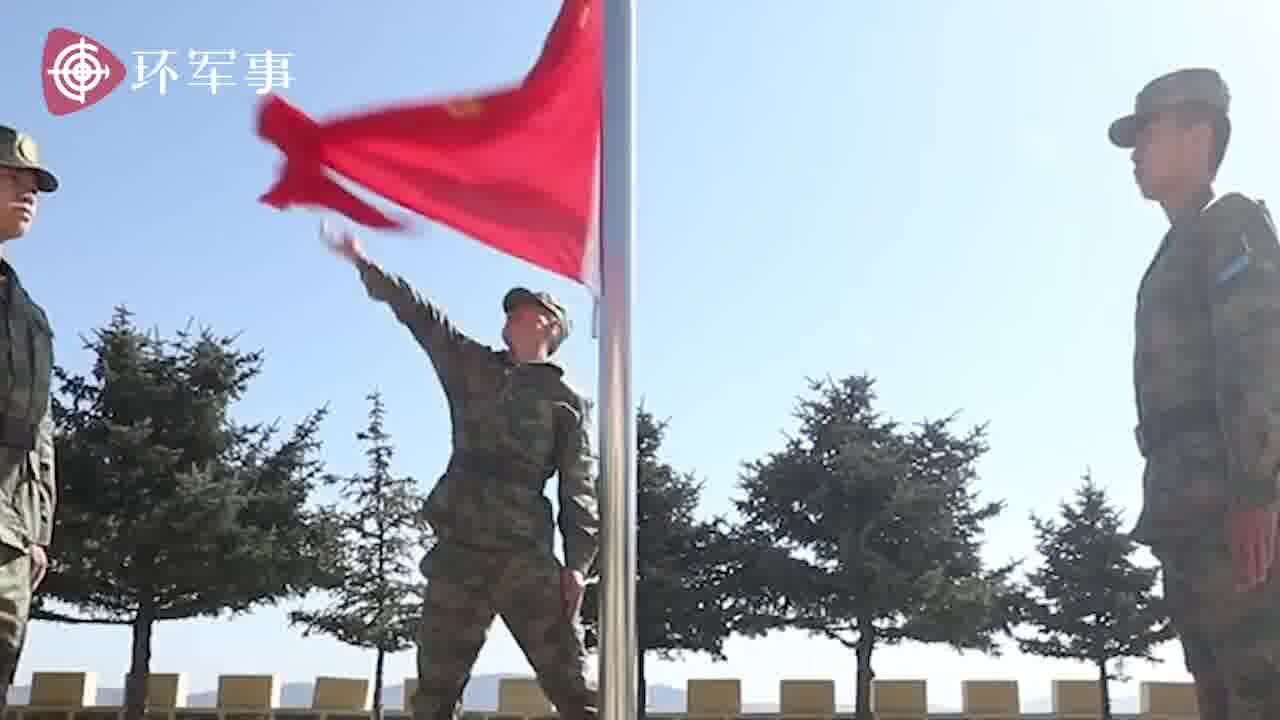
(466, 589)
(15, 607)
(1231, 640)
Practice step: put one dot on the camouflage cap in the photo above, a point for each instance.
(521, 296)
(1182, 88)
(19, 150)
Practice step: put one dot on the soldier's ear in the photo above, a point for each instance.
(1204, 133)
(1200, 132)
(555, 337)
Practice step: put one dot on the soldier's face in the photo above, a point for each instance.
(18, 202)
(528, 326)
(1169, 157)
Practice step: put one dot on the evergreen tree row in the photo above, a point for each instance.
(858, 529)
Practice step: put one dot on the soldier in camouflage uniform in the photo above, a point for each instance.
(1207, 381)
(26, 429)
(515, 424)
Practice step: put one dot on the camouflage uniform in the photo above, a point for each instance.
(1207, 382)
(26, 432)
(514, 426)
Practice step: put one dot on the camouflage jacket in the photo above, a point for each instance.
(1207, 368)
(514, 426)
(28, 490)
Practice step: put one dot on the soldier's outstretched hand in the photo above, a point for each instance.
(342, 243)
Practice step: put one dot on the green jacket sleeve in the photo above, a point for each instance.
(579, 497)
(1244, 310)
(444, 344)
(46, 487)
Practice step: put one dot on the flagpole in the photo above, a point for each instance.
(617, 623)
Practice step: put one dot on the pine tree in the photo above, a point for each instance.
(378, 603)
(1089, 601)
(167, 508)
(679, 560)
(867, 534)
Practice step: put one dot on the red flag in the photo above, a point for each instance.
(517, 169)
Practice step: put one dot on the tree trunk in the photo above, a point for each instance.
(866, 641)
(642, 687)
(135, 693)
(1105, 689)
(379, 666)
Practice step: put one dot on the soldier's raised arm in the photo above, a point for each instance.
(1244, 300)
(579, 498)
(444, 344)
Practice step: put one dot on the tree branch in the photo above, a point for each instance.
(50, 616)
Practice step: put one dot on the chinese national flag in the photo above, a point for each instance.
(517, 169)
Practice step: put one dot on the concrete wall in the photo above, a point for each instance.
(70, 696)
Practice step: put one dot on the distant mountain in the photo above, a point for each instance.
(1120, 704)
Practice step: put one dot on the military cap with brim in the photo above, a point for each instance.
(19, 150)
(524, 296)
(1190, 87)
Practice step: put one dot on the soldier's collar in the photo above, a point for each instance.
(9, 274)
(548, 363)
(1192, 210)
(9, 282)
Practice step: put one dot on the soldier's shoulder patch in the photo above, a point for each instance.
(1243, 251)
(1233, 267)
(1246, 263)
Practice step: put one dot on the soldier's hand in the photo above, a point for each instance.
(39, 565)
(572, 587)
(1251, 537)
(344, 244)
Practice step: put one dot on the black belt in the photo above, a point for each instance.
(1158, 429)
(490, 463)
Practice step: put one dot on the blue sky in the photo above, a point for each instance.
(924, 192)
